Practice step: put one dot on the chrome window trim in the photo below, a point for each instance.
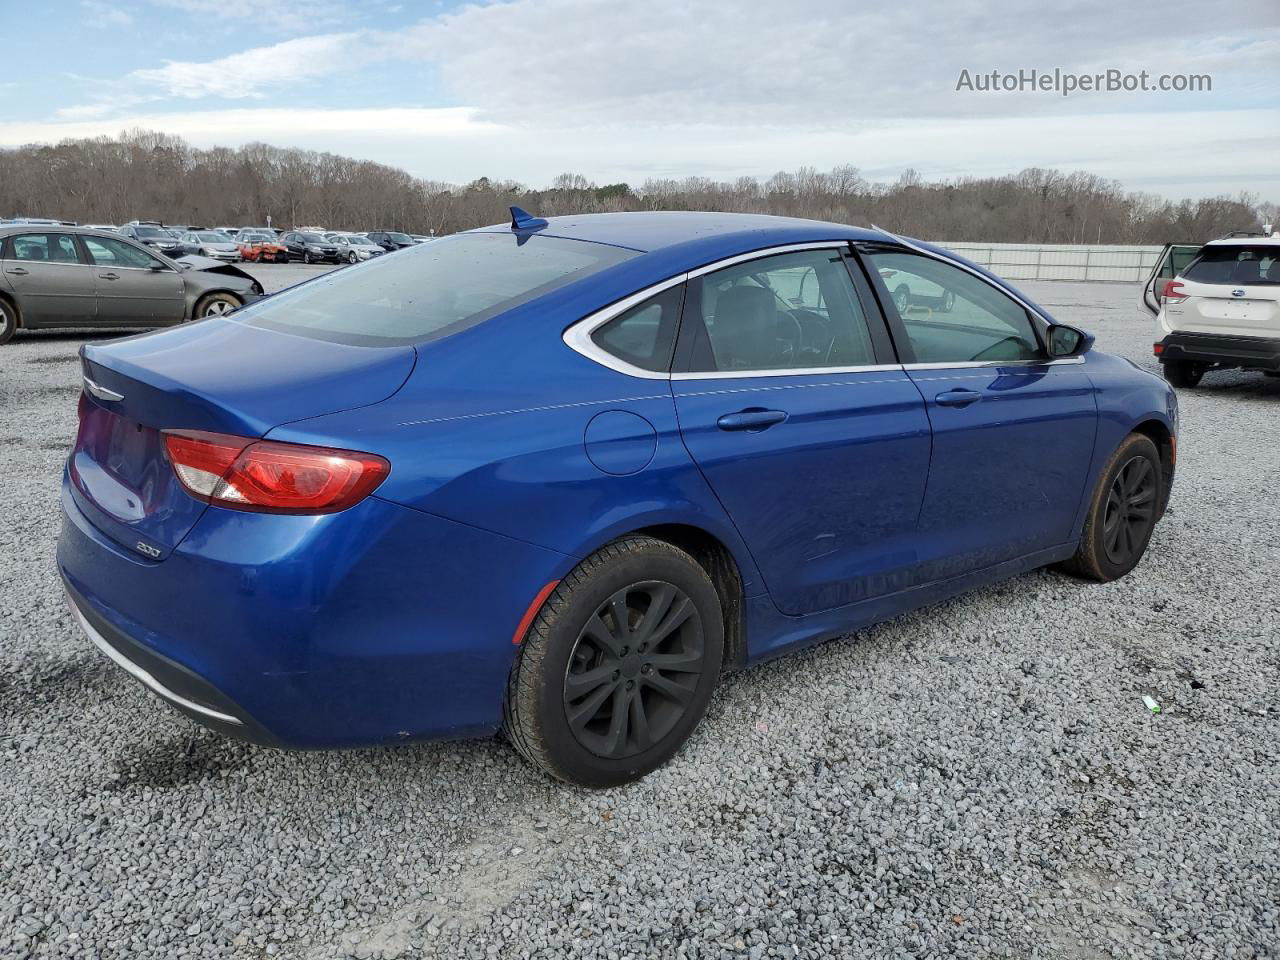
(578, 336)
(141, 675)
(788, 372)
(975, 364)
(916, 248)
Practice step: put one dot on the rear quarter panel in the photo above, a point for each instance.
(489, 444)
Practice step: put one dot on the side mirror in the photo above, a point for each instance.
(1066, 342)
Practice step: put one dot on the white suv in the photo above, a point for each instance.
(1220, 310)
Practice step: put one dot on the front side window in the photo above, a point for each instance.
(433, 290)
(116, 253)
(645, 335)
(951, 316)
(1236, 264)
(51, 247)
(790, 311)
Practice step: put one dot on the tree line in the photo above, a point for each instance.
(155, 176)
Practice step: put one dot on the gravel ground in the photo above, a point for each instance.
(980, 779)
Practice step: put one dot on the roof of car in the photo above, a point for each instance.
(11, 228)
(647, 232)
(1271, 241)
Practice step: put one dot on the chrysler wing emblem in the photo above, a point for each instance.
(102, 393)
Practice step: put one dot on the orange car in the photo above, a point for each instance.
(261, 246)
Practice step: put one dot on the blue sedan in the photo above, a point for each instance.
(555, 477)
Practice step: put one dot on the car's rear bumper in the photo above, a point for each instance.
(1255, 353)
(377, 625)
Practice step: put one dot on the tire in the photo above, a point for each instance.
(352, 257)
(282, 257)
(902, 299)
(1182, 373)
(306, 257)
(1122, 514)
(8, 321)
(576, 673)
(948, 301)
(216, 304)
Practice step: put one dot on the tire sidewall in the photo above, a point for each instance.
(203, 305)
(1135, 445)
(8, 322)
(573, 761)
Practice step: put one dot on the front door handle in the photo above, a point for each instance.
(957, 398)
(109, 276)
(18, 271)
(753, 419)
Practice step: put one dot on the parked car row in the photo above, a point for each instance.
(254, 244)
(60, 276)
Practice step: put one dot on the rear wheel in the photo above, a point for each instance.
(8, 321)
(902, 299)
(948, 301)
(619, 665)
(216, 304)
(1182, 373)
(1122, 513)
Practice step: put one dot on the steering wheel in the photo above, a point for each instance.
(814, 330)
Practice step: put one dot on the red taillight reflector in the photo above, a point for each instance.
(264, 475)
(518, 637)
(1173, 291)
(1157, 348)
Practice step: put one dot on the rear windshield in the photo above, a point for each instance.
(1235, 264)
(430, 291)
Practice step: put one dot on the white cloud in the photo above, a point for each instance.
(276, 16)
(99, 14)
(250, 73)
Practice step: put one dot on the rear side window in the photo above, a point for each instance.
(54, 247)
(792, 311)
(431, 290)
(1235, 264)
(645, 335)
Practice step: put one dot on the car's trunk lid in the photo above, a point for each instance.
(216, 375)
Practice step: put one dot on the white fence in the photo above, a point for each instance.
(1031, 261)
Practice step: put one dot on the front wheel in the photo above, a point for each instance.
(352, 257)
(1182, 373)
(217, 304)
(902, 299)
(1122, 513)
(619, 665)
(8, 322)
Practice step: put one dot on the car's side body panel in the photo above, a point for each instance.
(514, 456)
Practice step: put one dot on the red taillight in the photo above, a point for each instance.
(1173, 292)
(1157, 348)
(264, 475)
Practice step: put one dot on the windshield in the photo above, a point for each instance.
(432, 290)
(213, 237)
(256, 235)
(313, 238)
(154, 233)
(1235, 263)
(400, 237)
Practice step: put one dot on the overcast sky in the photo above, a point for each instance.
(631, 89)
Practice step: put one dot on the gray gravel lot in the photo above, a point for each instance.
(980, 779)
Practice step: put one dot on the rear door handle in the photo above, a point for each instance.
(957, 398)
(18, 271)
(109, 276)
(751, 419)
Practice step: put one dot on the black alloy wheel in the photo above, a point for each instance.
(634, 670)
(1130, 511)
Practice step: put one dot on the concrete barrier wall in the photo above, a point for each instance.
(1029, 261)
